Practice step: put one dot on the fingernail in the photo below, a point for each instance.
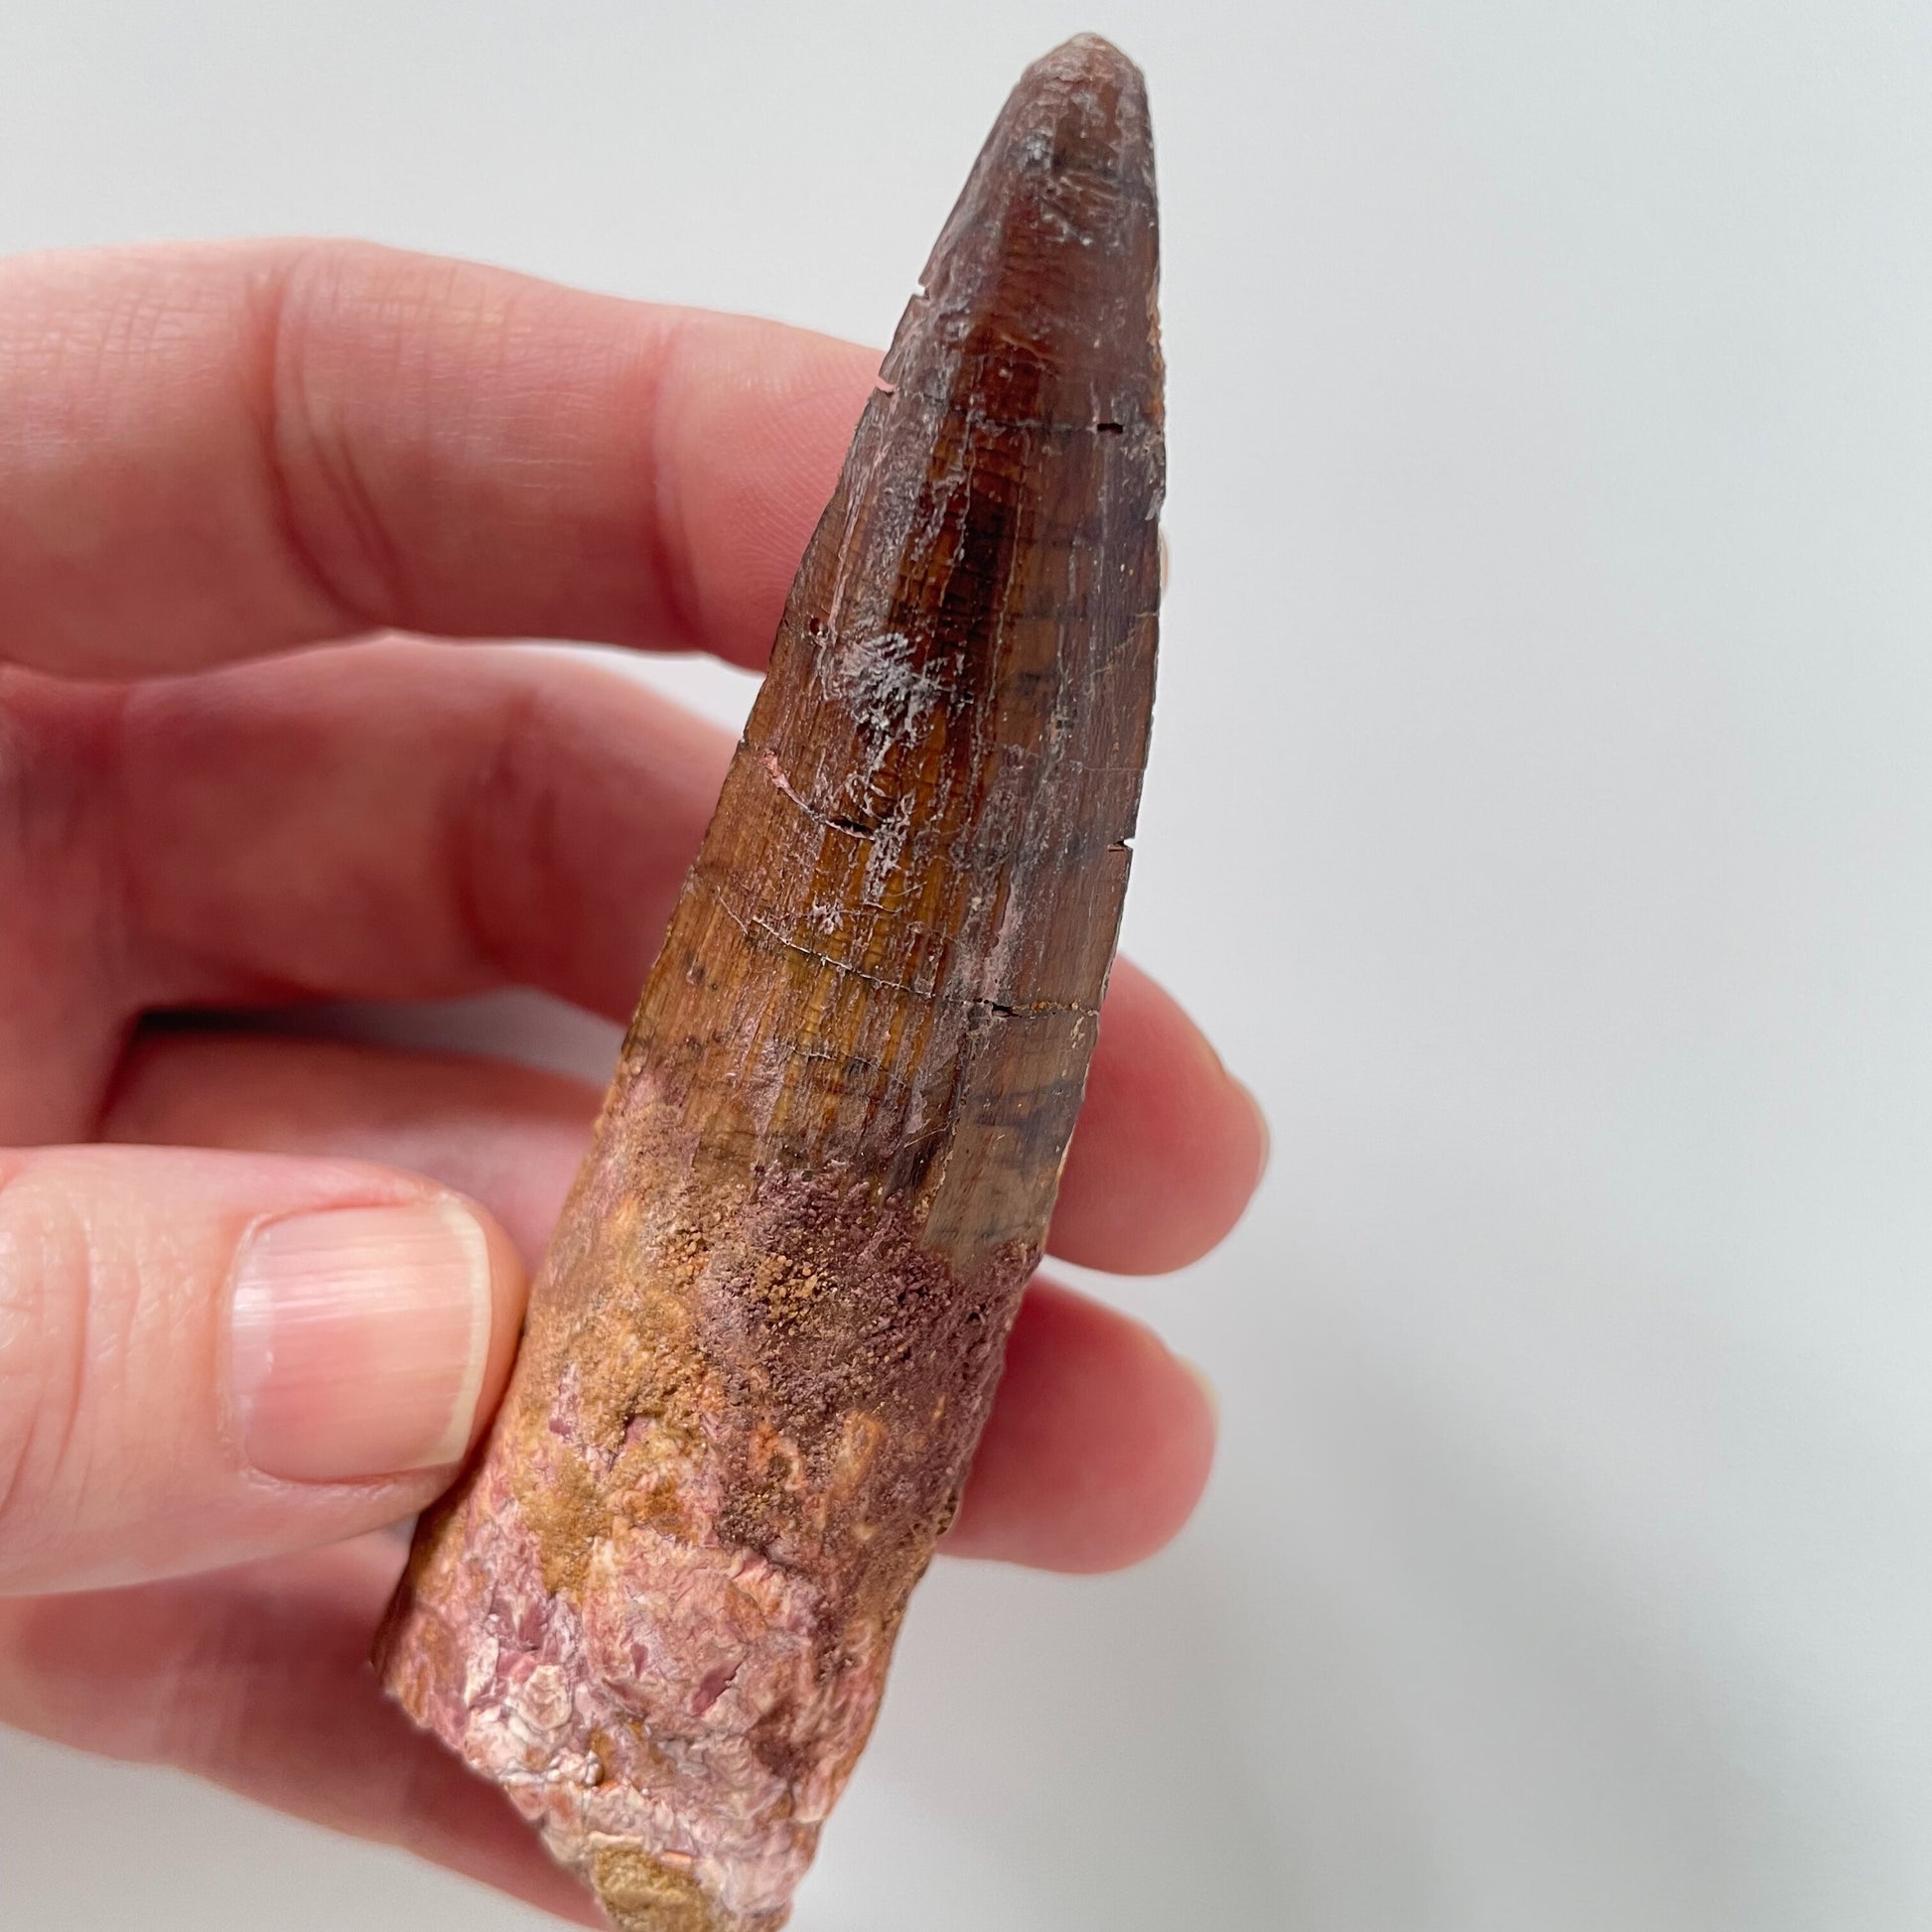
(358, 1341)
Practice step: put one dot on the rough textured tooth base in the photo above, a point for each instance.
(660, 1607)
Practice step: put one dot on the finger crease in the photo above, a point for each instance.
(670, 558)
(285, 424)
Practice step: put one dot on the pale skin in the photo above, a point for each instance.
(241, 486)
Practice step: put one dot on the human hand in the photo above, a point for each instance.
(231, 1354)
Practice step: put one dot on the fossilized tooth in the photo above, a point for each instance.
(659, 1608)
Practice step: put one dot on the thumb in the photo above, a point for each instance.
(209, 1357)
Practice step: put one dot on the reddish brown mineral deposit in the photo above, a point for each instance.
(659, 1607)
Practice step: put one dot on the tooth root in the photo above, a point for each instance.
(769, 1325)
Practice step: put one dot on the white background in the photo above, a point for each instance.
(1541, 818)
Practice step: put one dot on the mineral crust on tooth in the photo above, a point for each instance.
(659, 1608)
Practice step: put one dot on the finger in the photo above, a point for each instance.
(375, 820)
(258, 1679)
(361, 822)
(507, 1135)
(1098, 1446)
(512, 1138)
(206, 1357)
(216, 451)
(381, 821)
(1099, 1439)
(1169, 1147)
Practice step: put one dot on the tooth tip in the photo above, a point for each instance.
(1091, 96)
(1055, 235)
(1092, 54)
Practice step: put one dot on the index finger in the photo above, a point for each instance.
(216, 451)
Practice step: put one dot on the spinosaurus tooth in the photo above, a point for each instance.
(661, 1605)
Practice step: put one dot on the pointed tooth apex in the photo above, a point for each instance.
(1043, 281)
(1092, 65)
(1091, 99)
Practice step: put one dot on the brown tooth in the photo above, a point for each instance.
(659, 1608)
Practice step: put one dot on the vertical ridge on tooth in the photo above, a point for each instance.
(660, 1607)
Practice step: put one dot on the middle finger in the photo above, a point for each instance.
(397, 821)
